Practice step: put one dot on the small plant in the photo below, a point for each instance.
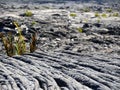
(97, 14)
(86, 10)
(20, 44)
(80, 29)
(28, 13)
(73, 14)
(98, 21)
(109, 10)
(33, 43)
(33, 23)
(104, 15)
(8, 44)
(116, 14)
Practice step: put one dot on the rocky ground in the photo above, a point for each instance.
(78, 47)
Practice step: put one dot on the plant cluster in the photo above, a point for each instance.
(80, 30)
(97, 14)
(104, 15)
(73, 14)
(109, 10)
(116, 14)
(28, 13)
(15, 44)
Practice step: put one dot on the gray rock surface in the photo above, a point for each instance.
(66, 58)
(64, 70)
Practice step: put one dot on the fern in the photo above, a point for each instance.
(16, 45)
(33, 43)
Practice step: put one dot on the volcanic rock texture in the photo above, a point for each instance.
(73, 53)
(59, 71)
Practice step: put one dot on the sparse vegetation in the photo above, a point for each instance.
(80, 30)
(15, 44)
(73, 14)
(33, 43)
(28, 13)
(8, 44)
(116, 14)
(20, 44)
(97, 15)
(109, 10)
(104, 15)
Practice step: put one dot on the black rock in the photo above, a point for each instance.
(86, 25)
(97, 25)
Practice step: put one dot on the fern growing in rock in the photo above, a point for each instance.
(8, 44)
(20, 44)
(16, 45)
(33, 43)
